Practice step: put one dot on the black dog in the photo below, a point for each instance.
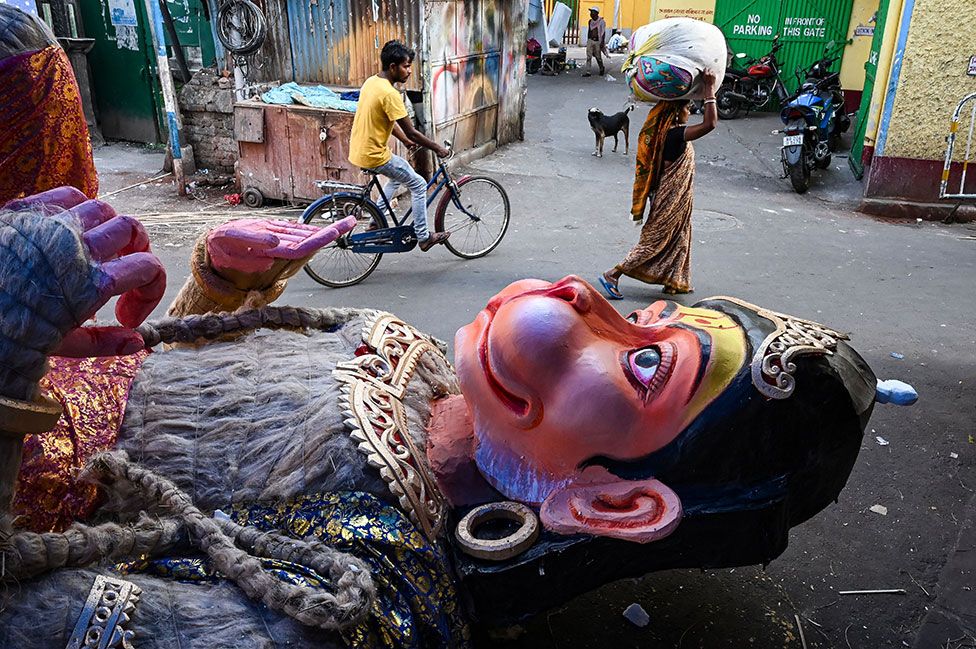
(607, 125)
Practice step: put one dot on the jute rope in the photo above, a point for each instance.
(27, 554)
(205, 291)
(212, 326)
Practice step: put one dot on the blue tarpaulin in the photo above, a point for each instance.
(315, 96)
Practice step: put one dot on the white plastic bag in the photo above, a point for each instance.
(668, 56)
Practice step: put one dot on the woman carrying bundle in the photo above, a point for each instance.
(665, 175)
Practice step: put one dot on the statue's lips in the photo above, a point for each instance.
(515, 403)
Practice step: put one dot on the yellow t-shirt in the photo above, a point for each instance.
(380, 106)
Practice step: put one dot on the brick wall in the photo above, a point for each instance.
(207, 103)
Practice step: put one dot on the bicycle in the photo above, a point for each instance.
(483, 219)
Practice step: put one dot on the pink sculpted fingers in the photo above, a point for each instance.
(141, 281)
(253, 245)
(238, 245)
(92, 213)
(61, 197)
(121, 235)
(100, 341)
(314, 240)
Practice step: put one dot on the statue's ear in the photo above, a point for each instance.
(602, 504)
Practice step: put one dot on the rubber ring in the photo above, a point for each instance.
(503, 548)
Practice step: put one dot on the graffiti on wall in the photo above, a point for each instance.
(513, 74)
(476, 58)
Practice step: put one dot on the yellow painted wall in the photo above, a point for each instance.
(856, 54)
(941, 40)
(637, 13)
(633, 13)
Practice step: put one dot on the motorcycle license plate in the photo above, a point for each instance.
(793, 140)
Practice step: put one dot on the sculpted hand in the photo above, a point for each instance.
(62, 257)
(255, 253)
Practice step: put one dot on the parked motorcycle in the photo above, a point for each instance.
(815, 121)
(751, 87)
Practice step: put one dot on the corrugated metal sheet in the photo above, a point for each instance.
(338, 42)
(804, 26)
(273, 60)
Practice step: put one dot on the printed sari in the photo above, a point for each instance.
(663, 252)
(44, 139)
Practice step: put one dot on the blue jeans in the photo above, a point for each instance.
(400, 172)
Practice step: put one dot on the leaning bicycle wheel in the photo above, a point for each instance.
(337, 265)
(479, 226)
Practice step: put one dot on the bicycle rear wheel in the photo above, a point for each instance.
(337, 265)
(478, 228)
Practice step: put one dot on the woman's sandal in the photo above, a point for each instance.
(610, 288)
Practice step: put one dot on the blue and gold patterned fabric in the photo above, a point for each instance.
(416, 604)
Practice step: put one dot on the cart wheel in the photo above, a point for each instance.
(253, 198)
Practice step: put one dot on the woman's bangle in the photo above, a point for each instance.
(710, 100)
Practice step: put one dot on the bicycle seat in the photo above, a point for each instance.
(371, 172)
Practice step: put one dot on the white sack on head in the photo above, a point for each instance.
(668, 56)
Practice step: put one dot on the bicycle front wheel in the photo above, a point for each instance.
(478, 227)
(337, 265)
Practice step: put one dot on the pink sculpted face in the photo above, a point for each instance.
(554, 376)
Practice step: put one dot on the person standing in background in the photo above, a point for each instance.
(596, 38)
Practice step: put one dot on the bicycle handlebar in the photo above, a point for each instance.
(450, 147)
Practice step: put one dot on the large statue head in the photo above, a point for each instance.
(590, 414)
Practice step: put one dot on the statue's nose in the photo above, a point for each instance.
(530, 342)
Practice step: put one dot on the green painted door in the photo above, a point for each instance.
(855, 160)
(193, 30)
(122, 72)
(804, 28)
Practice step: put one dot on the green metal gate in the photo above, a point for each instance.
(855, 159)
(804, 27)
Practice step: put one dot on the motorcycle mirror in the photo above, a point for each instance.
(741, 55)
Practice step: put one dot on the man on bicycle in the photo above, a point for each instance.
(380, 111)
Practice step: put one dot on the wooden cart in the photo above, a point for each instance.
(284, 150)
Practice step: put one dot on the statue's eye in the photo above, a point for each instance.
(644, 364)
(633, 317)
